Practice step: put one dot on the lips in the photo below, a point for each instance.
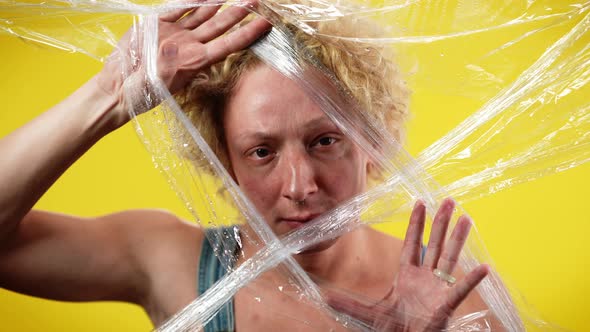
(299, 220)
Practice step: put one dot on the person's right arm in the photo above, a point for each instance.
(57, 256)
(62, 257)
(35, 155)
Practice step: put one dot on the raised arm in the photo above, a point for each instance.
(80, 253)
(41, 150)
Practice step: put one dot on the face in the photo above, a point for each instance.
(290, 160)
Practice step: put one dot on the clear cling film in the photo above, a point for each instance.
(351, 68)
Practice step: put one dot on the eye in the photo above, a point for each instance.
(325, 141)
(259, 153)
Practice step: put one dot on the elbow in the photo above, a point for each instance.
(9, 225)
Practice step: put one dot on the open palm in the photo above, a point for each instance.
(419, 300)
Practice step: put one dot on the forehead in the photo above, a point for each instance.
(264, 98)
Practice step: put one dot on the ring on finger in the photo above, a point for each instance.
(444, 276)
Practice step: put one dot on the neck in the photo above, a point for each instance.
(340, 260)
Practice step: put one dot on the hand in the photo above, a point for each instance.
(186, 45)
(419, 300)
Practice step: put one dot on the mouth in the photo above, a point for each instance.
(297, 221)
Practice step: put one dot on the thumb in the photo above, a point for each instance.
(355, 308)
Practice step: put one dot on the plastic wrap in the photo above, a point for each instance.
(531, 121)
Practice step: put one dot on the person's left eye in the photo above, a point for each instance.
(325, 141)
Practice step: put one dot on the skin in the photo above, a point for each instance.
(278, 158)
(53, 255)
(283, 150)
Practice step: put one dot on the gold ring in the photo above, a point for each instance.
(444, 276)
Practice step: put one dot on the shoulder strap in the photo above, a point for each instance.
(210, 271)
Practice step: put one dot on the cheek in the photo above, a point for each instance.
(261, 189)
(346, 176)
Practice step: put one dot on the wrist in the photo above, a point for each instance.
(103, 111)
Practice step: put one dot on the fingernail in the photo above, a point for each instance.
(418, 203)
(467, 224)
(170, 50)
(451, 203)
(469, 220)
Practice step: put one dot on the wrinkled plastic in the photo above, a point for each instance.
(532, 121)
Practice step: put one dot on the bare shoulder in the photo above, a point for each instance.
(168, 250)
(152, 235)
(385, 243)
(144, 227)
(128, 256)
(383, 248)
(163, 243)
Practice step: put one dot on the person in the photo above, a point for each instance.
(293, 166)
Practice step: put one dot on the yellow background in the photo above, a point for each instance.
(536, 232)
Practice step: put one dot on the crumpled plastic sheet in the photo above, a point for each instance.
(533, 120)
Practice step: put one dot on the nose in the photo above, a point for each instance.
(299, 175)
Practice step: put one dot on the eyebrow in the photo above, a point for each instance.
(318, 122)
(312, 124)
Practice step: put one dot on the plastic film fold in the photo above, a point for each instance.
(530, 120)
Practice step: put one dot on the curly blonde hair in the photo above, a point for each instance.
(365, 70)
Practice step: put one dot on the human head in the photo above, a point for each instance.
(364, 70)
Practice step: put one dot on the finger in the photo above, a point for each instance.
(412, 248)
(452, 251)
(461, 290)
(220, 24)
(174, 15)
(198, 17)
(220, 48)
(438, 233)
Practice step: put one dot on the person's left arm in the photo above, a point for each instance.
(425, 296)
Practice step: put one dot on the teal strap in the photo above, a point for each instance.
(210, 271)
